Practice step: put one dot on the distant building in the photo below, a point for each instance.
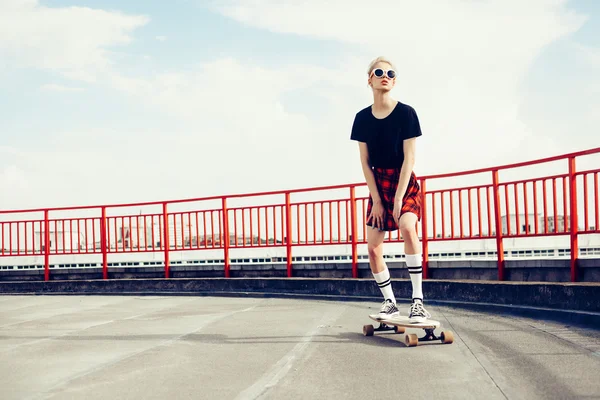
(59, 240)
(528, 225)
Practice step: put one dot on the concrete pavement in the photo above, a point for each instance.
(154, 347)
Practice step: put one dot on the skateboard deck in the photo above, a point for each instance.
(399, 325)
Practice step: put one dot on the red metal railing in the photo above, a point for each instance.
(489, 210)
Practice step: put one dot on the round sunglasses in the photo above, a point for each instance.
(378, 72)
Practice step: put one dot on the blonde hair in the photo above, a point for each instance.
(377, 60)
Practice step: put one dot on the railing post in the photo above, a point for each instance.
(166, 240)
(354, 232)
(424, 239)
(103, 243)
(573, 219)
(225, 237)
(46, 246)
(499, 243)
(288, 233)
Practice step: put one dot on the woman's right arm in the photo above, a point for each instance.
(377, 210)
(368, 172)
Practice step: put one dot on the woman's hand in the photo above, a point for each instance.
(376, 214)
(397, 208)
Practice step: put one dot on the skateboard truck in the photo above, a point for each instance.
(399, 325)
(429, 336)
(368, 330)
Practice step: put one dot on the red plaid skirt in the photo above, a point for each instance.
(387, 184)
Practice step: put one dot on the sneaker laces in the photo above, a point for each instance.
(386, 306)
(417, 308)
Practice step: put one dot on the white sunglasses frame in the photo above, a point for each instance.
(385, 73)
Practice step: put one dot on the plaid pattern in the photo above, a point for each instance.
(387, 183)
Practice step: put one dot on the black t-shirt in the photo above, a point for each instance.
(384, 137)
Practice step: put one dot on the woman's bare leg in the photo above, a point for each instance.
(375, 239)
(380, 271)
(414, 260)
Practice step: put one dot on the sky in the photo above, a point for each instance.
(105, 102)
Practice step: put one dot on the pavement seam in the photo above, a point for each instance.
(60, 314)
(563, 338)
(473, 354)
(280, 369)
(74, 331)
(53, 390)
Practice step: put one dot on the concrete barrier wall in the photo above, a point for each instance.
(559, 296)
(553, 270)
(538, 284)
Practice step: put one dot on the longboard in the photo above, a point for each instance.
(399, 325)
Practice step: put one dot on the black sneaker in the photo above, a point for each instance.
(417, 312)
(388, 310)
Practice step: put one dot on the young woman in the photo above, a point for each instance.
(386, 132)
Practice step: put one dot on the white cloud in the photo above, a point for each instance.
(161, 38)
(459, 67)
(236, 126)
(74, 41)
(591, 59)
(458, 64)
(589, 54)
(10, 176)
(55, 87)
(13, 185)
(7, 150)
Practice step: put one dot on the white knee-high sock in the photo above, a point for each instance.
(415, 270)
(385, 284)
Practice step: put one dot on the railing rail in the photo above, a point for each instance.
(492, 210)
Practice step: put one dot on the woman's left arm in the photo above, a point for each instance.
(406, 170)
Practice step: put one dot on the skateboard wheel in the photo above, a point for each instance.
(398, 329)
(447, 337)
(411, 340)
(368, 330)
